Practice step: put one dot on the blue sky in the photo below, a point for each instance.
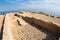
(49, 6)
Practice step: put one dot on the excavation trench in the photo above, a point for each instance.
(2, 28)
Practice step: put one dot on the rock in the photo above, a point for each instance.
(16, 28)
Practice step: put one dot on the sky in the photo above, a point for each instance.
(49, 6)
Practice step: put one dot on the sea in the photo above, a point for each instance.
(6, 12)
